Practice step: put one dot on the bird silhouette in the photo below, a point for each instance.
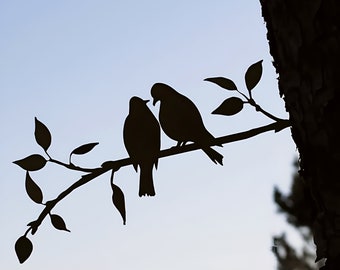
(141, 134)
(181, 120)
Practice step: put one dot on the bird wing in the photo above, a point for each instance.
(182, 121)
(141, 135)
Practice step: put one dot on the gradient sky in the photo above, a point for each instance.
(74, 65)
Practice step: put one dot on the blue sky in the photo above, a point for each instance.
(74, 65)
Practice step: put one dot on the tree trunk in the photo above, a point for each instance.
(304, 40)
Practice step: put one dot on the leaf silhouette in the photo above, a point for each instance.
(83, 149)
(58, 222)
(253, 75)
(42, 135)
(31, 163)
(33, 190)
(229, 106)
(223, 82)
(23, 248)
(119, 201)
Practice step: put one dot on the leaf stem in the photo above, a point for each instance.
(71, 166)
(259, 109)
(252, 102)
(48, 154)
(243, 95)
(250, 95)
(27, 231)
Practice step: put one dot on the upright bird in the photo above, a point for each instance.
(141, 134)
(181, 120)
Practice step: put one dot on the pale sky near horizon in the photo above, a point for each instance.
(74, 65)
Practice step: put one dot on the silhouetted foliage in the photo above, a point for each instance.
(83, 149)
(179, 118)
(230, 106)
(42, 135)
(288, 258)
(118, 200)
(234, 105)
(223, 82)
(33, 162)
(33, 190)
(58, 222)
(253, 75)
(300, 211)
(23, 248)
(299, 206)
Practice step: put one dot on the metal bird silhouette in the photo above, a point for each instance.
(181, 120)
(141, 134)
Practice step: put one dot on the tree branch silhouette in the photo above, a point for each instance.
(117, 164)
(35, 162)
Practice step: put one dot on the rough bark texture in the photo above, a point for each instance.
(304, 40)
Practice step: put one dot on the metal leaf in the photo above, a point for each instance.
(58, 222)
(229, 106)
(253, 75)
(119, 201)
(42, 135)
(223, 82)
(33, 190)
(23, 248)
(31, 163)
(83, 149)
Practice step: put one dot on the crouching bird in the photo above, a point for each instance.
(141, 134)
(181, 120)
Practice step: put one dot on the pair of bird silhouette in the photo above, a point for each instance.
(180, 120)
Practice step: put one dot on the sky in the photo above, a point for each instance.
(74, 65)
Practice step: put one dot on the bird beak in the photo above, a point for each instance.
(146, 101)
(154, 102)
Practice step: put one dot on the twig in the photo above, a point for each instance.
(71, 166)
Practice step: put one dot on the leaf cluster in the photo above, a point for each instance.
(35, 162)
(234, 105)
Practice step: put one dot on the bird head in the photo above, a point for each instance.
(159, 91)
(137, 102)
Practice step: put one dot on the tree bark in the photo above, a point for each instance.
(304, 40)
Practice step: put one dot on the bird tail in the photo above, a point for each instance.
(215, 156)
(146, 182)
